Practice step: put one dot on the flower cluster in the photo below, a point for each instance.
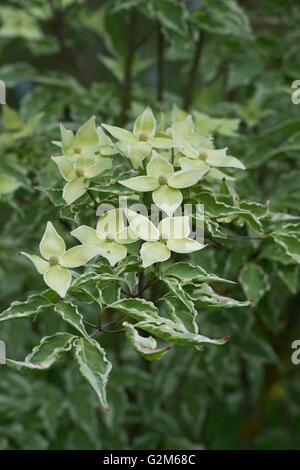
(87, 154)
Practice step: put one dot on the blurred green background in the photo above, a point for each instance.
(68, 59)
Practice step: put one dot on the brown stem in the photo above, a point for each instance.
(194, 69)
(160, 63)
(127, 82)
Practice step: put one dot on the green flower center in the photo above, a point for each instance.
(53, 260)
(203, 156)
(163, 237)
(162, 179)
(79, 172)
(143, 137)
(77, 149)
(110, 237)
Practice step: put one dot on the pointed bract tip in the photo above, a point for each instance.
(62, 298)
(225, 339)
(20, 253)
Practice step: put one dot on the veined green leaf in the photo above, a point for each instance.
(44, 355)
(138, 309)
(94, 366)
(254, 281)
(145, 346)
(175, 287)
(30, 307)
(187, 272)
(290, 244)
(172, 332)
(289, 275)
(204, 296)
(71, 315)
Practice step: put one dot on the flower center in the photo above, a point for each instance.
(162, 179)
(110, 237)
(77, 149)
(143, 137)
(53, 260)
(79, 172)
(203, 156)
(164, 237)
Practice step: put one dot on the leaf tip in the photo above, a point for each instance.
(225, 339)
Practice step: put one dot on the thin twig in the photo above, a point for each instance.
(93, 198)
(160, 62)
(194, 69)
(89, 324)
(143, 39)
(115, 321)
(127, 82)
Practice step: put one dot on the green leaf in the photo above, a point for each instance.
(30, 307)
(289, 275)
(8, 184)
(55, 195)
(219, 209)
(254, 281)
(223, 17)
(174, 308)
(94, 366)
(187, 272)
(138, 309)
(175, 287)
(172, 332)
(171, 15)
(71, 315)
(11, 118)
(47, 353)
(145, 346)
(204, 296)
(290, 244)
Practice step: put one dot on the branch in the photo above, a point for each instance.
(194, 69)
(160, 62)
(127, 82)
